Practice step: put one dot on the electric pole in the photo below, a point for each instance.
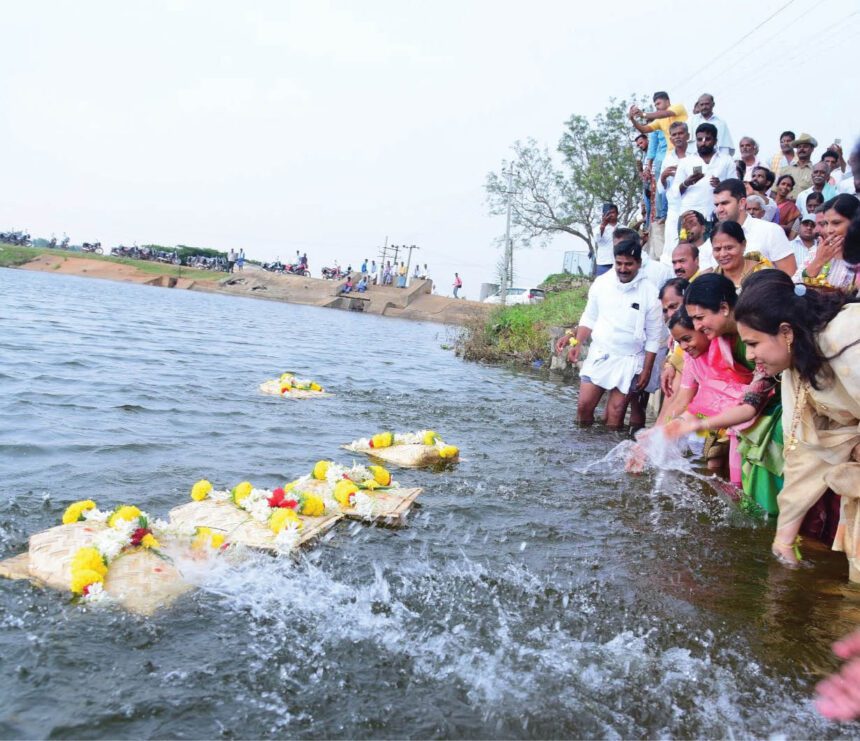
(507, 273)
(409, 259)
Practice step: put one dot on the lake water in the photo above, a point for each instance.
(527, 597)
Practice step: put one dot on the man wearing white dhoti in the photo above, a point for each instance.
(623, 321)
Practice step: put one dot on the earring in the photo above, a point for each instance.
(788, 344)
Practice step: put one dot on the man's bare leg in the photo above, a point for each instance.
(638, 407)
(616, 407)
(589, 397)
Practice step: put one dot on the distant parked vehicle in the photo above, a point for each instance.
(517, 296)
(334, 273)
(95, 247)
(22, 239)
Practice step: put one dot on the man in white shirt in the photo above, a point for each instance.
(623, 320)
(697, 175)
(749, 156)
(820, 184)
(603, 239)
(679, 135)
(761, 182)
(705, 108)
(654, 270)
(763, 237)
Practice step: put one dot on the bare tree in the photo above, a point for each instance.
(597, 165)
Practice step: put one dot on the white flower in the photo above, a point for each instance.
(219, 495)
(364, 505)
(110, 543)
(288, 538)
(96, 515)
(95, 594)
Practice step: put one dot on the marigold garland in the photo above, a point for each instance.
(421, 437)
(288, 382)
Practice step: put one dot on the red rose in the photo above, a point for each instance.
(371, 443)
(291, 503)
(138, 535)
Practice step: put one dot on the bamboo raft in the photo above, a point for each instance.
(273, 388)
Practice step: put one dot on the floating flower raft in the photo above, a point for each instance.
(117, 556)
(274, 520)
(406, 449)
(288, 386)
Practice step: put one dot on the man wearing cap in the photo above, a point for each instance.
(603, 239)
(801, 168)
(804, 244)
(704, 113)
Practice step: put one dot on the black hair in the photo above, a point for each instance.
(730, 229)
(768, 173)
(734, 187)
(699, 217)
(630, 248)
(844, 204)
(625, 232)
(788, 133)
(740, 169)
(707, 128)
(680, 317)
(783, 177)
(661, 94)
(831, 153)
(814, 196)
(851, 245)
(679, 285)
(711, 290)
(769, 300)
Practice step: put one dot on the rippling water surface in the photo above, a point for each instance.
(527, 597)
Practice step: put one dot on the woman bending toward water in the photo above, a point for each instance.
(723, 393)
(812, 338)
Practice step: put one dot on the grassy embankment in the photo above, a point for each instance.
(521, 333)
(12, 256)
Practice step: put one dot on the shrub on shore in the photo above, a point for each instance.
(521, 333)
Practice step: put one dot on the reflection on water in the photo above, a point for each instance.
(533, 594)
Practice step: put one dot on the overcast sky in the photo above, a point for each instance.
(328, 126)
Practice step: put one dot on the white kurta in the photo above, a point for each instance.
(626, 321)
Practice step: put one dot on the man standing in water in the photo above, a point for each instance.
(623, 321)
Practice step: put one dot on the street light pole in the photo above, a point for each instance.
(509, 257)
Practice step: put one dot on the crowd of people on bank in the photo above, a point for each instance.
(744, 318)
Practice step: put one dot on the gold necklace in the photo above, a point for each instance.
(801, 389)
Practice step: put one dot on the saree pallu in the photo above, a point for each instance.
(761, 450)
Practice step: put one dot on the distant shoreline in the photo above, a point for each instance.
(416, 302)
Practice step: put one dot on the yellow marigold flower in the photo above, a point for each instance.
(380, 475)
(75, 512)
(218, 539)
(150, 541)
(312, 506)
(290, 486)
(382, 440)
(321, 469)
(430, 437)
(200, 490)
(201, 537)
(89, 559)
(343, 489)
(82, 578)
(316, 386)
(241, 491)
(125, 512)
(449, 451)
(280, 517)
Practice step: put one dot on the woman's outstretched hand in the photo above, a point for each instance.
(839, 694)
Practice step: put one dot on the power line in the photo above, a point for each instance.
(762, 49)
(736, 43)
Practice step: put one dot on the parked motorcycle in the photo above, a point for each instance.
(334, 273)
(95, 247)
